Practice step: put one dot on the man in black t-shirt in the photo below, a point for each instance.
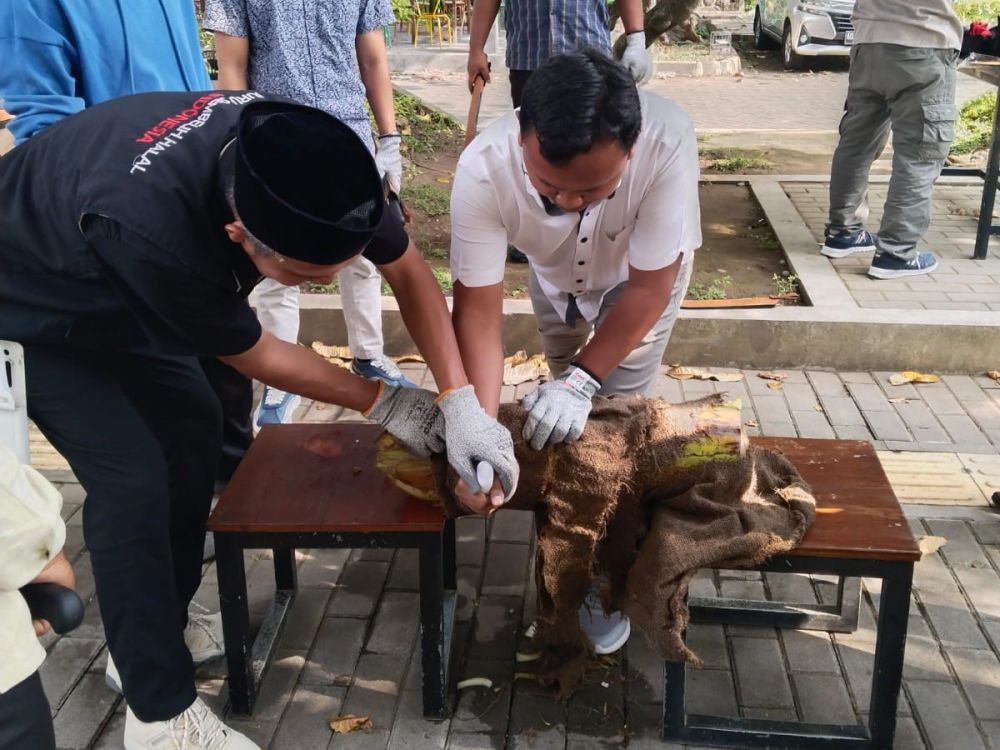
(131, 236)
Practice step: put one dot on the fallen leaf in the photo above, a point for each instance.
(818, 408)
(683, 373)
(410, 358)
(773, 375)
(931, 544)
(687, 373)
(443, 179)
(776, 385)
(897, 400)
(350, 723)
(521, 368)
(751, 423)
(909, 376)
(995, 374)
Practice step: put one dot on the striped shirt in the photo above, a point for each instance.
(538, 29)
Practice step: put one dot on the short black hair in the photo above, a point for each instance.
(573, 101)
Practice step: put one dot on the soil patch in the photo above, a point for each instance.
(740, 256)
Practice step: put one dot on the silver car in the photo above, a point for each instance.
(805, 28)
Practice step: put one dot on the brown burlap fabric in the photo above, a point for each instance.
(649, 495)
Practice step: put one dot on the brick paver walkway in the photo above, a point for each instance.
(959, 283)
(351, 644)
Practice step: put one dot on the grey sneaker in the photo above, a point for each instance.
(607, 632)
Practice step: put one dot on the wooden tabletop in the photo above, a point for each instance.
(857, 513)
(318, 477)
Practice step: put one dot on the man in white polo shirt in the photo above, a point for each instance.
(598, 185)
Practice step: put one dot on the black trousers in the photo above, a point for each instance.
(142, 433)
(25, 718)
(518, 78)
(235, 393)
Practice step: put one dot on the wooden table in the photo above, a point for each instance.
(306, 486)
(860, 530)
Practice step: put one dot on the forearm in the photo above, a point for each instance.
(631, 14)
(426, 316)
(633, 316)
(374, 69)
(299, 370)
(484, 13)
(478, 329)
(233, 54)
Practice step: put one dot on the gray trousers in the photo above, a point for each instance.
(636, 372)
(912, 91)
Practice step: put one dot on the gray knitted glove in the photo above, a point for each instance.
(558, 410)
(411, 415)
(472, 437)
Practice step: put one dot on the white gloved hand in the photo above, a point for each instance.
(410, 414)
(389, 161)
(558, 410)
(637, 58)
(472, 438)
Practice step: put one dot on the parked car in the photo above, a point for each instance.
(804, 28)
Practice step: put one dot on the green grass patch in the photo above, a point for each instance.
(735, 160)
(432, 200)
(443, 276)
(977, 10)
(974, 126)
(423, 129)
(716, 289)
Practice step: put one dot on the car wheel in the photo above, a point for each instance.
(760, 38)
(791, 59)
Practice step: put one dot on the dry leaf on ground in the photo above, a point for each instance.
(995, 374)
(909, 376)
(687, 373)
(331, 352)
(898, 400)
(751, 423)
(349, 723)
(769, 375)
(776, 385)
(410, 358)
(931, 544)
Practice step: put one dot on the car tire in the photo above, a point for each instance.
(791, 59)
(760, 38)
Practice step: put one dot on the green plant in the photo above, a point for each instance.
(713, 290)
(432, 200)
(734, 160)
(768, 242)
(786, 284)
(423, 129)
(402, 10)
(443, 276)
(977, 10)
(332, 288)
(974, 126)
(436, 252)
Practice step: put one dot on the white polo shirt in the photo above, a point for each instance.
(650, 219)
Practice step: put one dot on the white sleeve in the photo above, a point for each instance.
(31, 530)
(478, 236)
(669, 219)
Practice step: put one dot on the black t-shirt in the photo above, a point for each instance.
(112, 230)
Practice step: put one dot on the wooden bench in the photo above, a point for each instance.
(859, 530)
(307, 486)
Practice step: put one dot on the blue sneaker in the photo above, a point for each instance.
(842, 245)
(885, 266)
(381, 369)
(275, 407)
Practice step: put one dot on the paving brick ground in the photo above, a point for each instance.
(960, 283)
(351, 645)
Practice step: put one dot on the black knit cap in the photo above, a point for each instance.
(305, 183)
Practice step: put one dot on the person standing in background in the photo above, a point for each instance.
(330, 55)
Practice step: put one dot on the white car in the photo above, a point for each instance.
(805, 28)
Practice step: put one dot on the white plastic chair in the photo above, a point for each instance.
(13, 403)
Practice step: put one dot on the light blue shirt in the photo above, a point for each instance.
(304, 49)
(538, 29)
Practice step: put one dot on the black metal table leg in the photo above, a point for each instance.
(985, 228)
(890, 643)
(674, 688)
(285, 575)
(432, 642)
(449, 553)
(235, 621)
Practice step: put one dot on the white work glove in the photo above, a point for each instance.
(410, 414)
(473, 438)
(389, 161)
(558, 410)
(637, 58)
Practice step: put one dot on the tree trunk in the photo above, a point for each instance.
(661, 18)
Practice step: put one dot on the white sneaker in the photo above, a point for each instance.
(607, 633)
(195, 729)
(203, 636)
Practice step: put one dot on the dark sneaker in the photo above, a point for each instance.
(885, 266)
(383, 369)
(516, 256)
(842, 245)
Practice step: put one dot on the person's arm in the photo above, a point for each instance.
(478, 321)
(36, 82)
(635, 56)
(233, 55)
(373, 64)
(635, 312)
(484, 14)
(631, 15)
